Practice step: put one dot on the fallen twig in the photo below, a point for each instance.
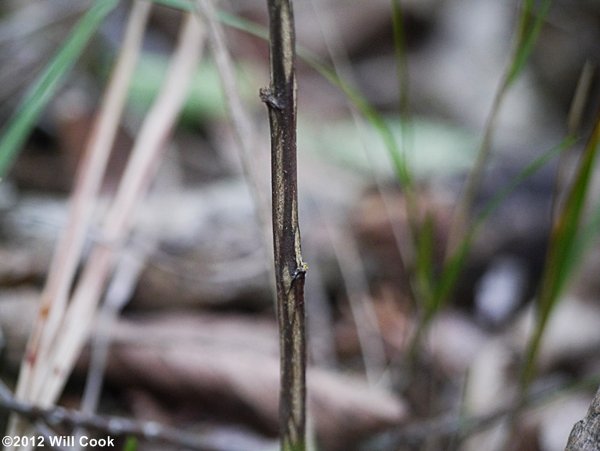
(461, 427)
(115, 426)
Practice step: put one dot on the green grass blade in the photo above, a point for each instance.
(183, 5)
(359, 102)
(402, 73)
(565, 233)
(563, 245)
(452, 269)
(527, 36)
(456, 262)
(20, 124)
(525, 19)
(523, 175)
(371, 115)
(425, 265)
(241, 24)
(400, 52)
(584, 241)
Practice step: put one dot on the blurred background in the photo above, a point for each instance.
(195, 343)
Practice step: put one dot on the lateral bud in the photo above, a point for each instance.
(267, 96)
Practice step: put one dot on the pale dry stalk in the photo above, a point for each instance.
(140, 171)
(92, 168)
(246, 138)
(72, 332)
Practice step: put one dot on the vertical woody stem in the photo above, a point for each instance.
(290, 270)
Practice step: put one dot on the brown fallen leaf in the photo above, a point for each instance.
(229, 366)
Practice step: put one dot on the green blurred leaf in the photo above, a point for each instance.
(205, 98)
(131, 444)
(376, 120)
(425, 266)
(585, 239)
(562, 248)
(455, 263)
(402, 72)
(244, 25)
(19, 126)
(565, 233)
(523, 175)
(360, 103)
(184, 5)
(526, 36)
(440, 149)
(528, 32)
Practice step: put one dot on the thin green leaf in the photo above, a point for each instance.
(372, 116)
(452, 269)
(20, 124)
(241, 24)
(400, 52)
(456, 262)
(563, 244)
(565, 234)
(183, 5)
(523, 175)
(584, 241)
(425, 266)
(402, 73)
(525, 19)
(527, 37)
(361, 104)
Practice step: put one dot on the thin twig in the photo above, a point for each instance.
(338, 53)
(118, 294)
(459, 223)
(115, 426)
(461, 427)
(290, 269)
(18, 26)
(329, 29)
(246, 138)
(336, 49)
(527, 33)
(320, 330)
(368, 331)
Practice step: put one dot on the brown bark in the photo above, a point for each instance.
(290, 270)
(585, 435)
